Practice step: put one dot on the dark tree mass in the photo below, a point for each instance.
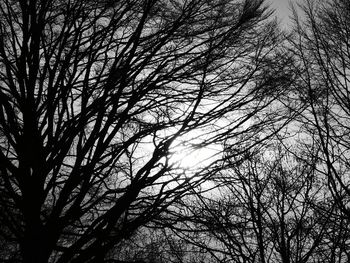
(101, 100)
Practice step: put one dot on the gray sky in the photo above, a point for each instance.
(282, 9)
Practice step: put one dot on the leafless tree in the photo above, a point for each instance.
(286, 204)
(321, 43)
(94, 97)
(266, 208)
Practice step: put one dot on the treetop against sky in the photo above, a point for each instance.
(107, 106)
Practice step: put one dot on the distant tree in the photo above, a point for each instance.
(155, 245)
(95, 95)
(321, 44)
(266, 208)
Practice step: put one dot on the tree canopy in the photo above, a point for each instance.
(100, 100)
(95, 97)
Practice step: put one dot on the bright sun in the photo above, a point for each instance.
(188, 157)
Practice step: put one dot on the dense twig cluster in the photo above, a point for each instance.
(96, 97)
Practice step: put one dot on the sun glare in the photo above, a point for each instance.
(189, 157)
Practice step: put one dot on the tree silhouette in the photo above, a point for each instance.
(293, 205)
(268, 208)
(321, 43)
(94, 95)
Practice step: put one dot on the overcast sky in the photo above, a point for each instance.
(282, 9)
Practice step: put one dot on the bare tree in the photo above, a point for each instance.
(94, 97)
(288, 204)
(266, 208)
(321, 43)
